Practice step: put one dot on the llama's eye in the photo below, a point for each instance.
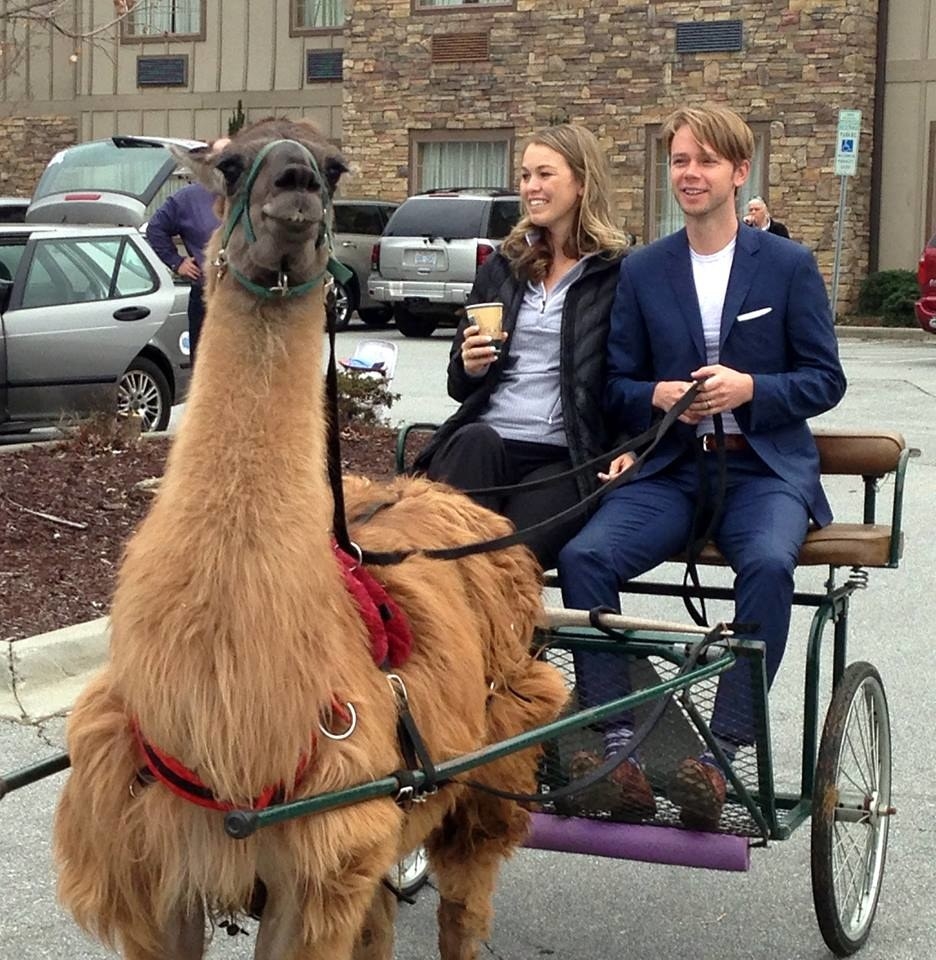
(231, 169)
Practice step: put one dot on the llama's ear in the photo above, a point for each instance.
(201, 161)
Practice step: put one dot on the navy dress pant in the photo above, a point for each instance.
(763, 523)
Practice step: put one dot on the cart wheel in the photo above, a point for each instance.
(851, 809)
(410, 874)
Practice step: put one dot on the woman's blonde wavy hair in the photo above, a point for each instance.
(594, 230)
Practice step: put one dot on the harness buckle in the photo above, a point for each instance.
(405, 796)
(282, 286)
(399, 689)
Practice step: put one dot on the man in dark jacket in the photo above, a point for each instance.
(759, 216)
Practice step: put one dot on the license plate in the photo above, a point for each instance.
(425, 258)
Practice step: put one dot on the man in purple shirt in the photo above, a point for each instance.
(187, 214)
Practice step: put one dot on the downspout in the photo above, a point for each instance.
(877, 134)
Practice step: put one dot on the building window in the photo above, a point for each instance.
(318, 15)
(157, 19)
(476, 159)
(464, 4)
(663, 215)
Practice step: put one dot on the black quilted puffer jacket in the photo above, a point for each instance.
(582, 362)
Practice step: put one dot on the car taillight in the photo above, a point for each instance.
(482, 253)
(375, 257)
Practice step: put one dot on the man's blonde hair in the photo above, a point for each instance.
(719, 127)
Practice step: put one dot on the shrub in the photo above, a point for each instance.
(888, 293)
(363, 400)
(897, 309)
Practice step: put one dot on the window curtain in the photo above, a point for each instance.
(321, 13)
(462, 163)
(166, 16)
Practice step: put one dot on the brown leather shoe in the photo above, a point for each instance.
(626, 793)
(698, 789)
(635, 790)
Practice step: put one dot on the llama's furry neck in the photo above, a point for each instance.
(229, 585)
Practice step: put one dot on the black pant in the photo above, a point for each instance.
(196, 314)
(477, 456)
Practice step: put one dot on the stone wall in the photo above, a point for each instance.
(613, 65)
(26, 146)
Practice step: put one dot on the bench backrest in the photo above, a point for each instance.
(859, 453)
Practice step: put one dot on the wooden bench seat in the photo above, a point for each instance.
(871, 455)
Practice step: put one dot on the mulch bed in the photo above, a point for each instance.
(67, 510)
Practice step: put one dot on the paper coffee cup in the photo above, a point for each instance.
(488, 318)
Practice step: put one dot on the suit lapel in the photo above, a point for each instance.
(679, 273)
(743, 268)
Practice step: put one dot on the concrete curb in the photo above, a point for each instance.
(44, 674)
(911, 334)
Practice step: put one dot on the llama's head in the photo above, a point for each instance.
(275, 180)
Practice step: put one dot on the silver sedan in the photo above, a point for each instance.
(90, 321)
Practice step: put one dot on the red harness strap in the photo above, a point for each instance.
(391, 637)
(186, 784)
(391, 643)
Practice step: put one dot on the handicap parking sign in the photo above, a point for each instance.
(846, 150)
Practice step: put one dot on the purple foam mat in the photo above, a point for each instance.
(636, 841)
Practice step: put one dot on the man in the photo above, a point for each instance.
(746, 314)
(190, 215)
(759, 216)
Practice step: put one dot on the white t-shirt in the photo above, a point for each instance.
(710, 274)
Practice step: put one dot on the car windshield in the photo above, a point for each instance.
(119, 165)
(455, 218)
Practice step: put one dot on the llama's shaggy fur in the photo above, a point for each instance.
(233, 632)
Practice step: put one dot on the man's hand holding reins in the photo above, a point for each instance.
(721, 389)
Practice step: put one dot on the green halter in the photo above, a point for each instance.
(241, 211)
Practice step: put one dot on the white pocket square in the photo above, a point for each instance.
(754, 314)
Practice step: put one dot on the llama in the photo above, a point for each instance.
(234, 639)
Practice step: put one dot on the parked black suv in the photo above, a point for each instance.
(430, 251)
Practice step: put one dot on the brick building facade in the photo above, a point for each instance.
(477, 71)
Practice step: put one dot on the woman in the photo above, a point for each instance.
(531, 405)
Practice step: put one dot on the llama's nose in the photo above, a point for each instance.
(297, 176)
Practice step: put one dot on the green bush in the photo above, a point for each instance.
(897, 309)
(888, 293)
(363, 400)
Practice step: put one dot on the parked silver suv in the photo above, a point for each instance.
(430, 251)
(357, 227)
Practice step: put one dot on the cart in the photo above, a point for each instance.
(845, 772)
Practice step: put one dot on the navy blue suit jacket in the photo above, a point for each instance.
(776, 326)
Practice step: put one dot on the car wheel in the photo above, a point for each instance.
(376, 316)
(143, 391)
(413, 324)
(345, 305)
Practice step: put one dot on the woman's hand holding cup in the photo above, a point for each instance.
(483, 338)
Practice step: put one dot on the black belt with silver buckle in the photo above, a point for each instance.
(730, 443)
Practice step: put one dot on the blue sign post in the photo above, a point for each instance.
(846, 165)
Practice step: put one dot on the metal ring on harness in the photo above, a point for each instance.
(351, 726)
